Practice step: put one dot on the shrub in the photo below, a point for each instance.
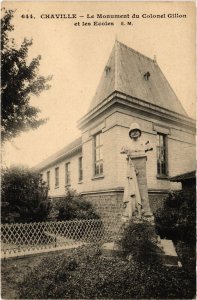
(86, 274)
(176, 220)
(24, 196)
(73, 206)
(140, 240)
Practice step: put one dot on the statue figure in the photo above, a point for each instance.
(135, 198)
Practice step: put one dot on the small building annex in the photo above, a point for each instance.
(132, 89)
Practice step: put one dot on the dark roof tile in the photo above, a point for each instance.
(125, 72)
(184, 176)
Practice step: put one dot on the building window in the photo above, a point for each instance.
(161, 154)
(48, 179)
(80, 169)
(57, 177)
(67, 173)
(98, 154)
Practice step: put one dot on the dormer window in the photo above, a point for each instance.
(146, 76)
(107, 69)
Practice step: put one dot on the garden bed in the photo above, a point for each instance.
(86, 274)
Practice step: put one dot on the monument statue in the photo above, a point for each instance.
(135, 198)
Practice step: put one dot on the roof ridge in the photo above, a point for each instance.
(56, 155)
(116, 65)
(165, 78)
(137, 52)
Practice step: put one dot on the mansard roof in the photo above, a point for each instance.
(136, 75)
(65, 152)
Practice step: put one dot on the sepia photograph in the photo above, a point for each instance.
(98, 157)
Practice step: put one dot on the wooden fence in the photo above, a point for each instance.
(21, 239)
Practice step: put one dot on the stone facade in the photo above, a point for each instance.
(108, 204)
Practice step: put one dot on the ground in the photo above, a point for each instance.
(108, 278)
(13, 271)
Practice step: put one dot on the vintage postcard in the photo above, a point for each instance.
(98, 130)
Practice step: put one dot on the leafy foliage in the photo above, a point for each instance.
(177, 219)
(73, 206)
(24, 196)
(19, 80)
(140, 240)
(86, 274)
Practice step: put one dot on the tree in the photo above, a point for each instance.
(24, 196)
(73, 206)
(20, 80)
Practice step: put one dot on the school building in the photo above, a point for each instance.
(132, 89)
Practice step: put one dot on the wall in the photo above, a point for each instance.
(156, 200)
(114, 125)
(181, 152)
(109, 177)
(181, 149)
(107, 204)
(60, 191)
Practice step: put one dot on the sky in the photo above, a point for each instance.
(76, 57)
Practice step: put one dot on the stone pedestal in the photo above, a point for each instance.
(140, 167)
(165, 249)
(167, 252)
(112, 249)
(169, 255)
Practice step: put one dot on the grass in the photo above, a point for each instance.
(86, 274)
(13, 271)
